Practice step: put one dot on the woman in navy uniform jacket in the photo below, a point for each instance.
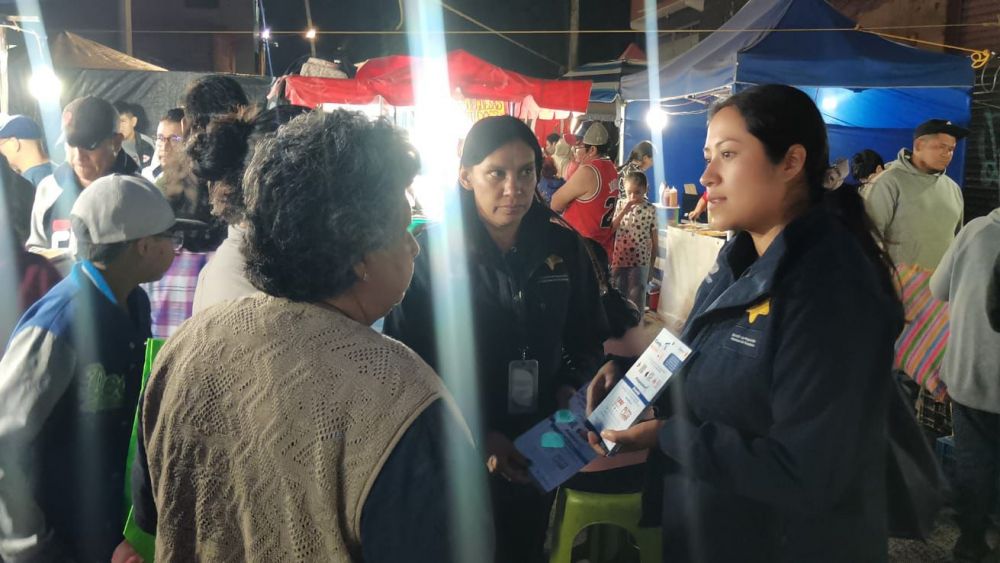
(771, 443)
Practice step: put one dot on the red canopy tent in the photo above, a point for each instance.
(470, 77)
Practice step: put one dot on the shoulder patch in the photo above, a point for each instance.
(761, 309)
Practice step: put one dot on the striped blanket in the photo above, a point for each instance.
(920, 347)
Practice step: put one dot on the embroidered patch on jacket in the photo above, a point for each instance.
(101, 391)
(744, 341)
(759, 310)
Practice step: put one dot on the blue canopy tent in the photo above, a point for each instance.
(872, 92)
(605, 102)
(606, 77)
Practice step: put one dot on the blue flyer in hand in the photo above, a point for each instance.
(557, 446)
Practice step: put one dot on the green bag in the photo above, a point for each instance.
(142, 542)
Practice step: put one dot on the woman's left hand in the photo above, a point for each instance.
(642, 436)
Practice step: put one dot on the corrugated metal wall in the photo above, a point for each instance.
(982, 165)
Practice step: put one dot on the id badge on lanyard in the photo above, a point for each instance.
(522, 387)
(522, 375)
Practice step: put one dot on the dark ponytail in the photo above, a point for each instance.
(782, 116)
(641, 150)
(219, 153)
(211, 95)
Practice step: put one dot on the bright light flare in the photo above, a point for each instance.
(45, 85)
(311, 34)
(265, 34)
(657, 119)
(450, 277)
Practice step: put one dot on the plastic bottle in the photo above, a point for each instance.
(653, 291)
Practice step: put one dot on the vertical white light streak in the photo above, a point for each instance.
(438, 144)
(653, 71)
(41, 65)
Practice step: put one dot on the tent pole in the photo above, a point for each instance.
(4, 76)
(127, 20)
(621, 131)
(309, 22)
(574, 36)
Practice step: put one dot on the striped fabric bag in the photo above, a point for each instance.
(920, 347)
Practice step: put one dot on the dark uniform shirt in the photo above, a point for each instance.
(538, 301)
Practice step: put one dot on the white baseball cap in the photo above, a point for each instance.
(596, 135)
(119, 208)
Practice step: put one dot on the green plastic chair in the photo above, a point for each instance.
(143, 543)
(576, 510)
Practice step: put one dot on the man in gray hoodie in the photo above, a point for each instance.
(915, 207)
(971, 369)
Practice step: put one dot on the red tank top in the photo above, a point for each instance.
(592, 217)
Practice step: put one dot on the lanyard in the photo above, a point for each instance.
(95, 276)
(513, 265)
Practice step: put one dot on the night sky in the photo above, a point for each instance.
(289, 15)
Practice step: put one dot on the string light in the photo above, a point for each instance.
(657, 119)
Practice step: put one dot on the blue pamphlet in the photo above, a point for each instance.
(557, 446)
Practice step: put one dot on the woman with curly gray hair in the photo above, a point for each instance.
(280, 426)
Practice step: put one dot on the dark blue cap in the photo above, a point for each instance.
(19, 127)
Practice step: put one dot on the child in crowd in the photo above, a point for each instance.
(634, 225)
(550, 182)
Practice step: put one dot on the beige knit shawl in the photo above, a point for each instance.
(266, 424)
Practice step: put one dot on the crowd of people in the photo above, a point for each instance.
(278, 424)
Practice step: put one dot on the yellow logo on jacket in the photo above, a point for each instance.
(761, 309)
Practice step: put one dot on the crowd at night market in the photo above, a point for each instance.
(269, 328)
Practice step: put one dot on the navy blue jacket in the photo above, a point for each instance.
(775, 450)
(69, 385)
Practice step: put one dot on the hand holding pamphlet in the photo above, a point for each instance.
(640, 387)
(557, 447)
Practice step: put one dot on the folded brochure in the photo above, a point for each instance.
(640, 387)
(557, 447)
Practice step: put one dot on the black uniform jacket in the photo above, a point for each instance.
(537, 301)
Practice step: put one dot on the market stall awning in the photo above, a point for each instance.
(607, 75)
(69, 50)
(470, 77)
(799, 42)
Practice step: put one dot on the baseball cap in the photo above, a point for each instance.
(935, 126)
(596, 135)
(88, 121)
(19, 127)
(119, 208)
